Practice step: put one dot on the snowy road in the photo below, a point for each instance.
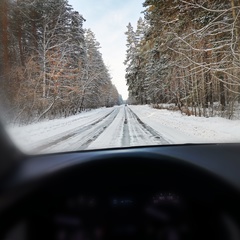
(119, 127)
(101, 128)
(127, 130)
(80, 137)
(122, 126)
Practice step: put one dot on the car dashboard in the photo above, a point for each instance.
(177, 192)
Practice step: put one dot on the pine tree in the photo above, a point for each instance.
(53, 67)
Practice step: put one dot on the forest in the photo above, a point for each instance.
(186, 53)
(50, 66)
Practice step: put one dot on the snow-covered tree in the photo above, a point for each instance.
(188, 54)
(52, 66)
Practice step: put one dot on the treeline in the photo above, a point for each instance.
(50, 66)
(187, 53)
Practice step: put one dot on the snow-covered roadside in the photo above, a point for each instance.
(176, 128)
(37, 134)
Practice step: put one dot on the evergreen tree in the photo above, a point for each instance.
(50, 65)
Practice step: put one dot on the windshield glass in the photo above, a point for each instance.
(78, 75)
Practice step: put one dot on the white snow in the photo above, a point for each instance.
(112, 136)
(105, 128)
(178, 128)
(34, 135)
(140, 135)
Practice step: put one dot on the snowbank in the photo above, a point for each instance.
(178, 128)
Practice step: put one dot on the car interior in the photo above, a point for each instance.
(156, 192)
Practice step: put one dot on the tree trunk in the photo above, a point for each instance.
(222, 95)
(20, 46)
(5, 38)
(44, 61)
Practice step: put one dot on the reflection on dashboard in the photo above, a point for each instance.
(165, 197)
(158, 216)
(81, 201)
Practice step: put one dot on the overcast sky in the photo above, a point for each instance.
(108, 20)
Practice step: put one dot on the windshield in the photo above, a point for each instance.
(79, 75)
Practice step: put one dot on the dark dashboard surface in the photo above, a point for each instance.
(222, 160)
(167, 192)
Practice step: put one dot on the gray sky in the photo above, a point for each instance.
(108, 20)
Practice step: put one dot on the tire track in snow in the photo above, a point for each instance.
(112, 136)
(141, 133)
(95, 134)
(84, 136)
(56, 140)
(125, 137)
